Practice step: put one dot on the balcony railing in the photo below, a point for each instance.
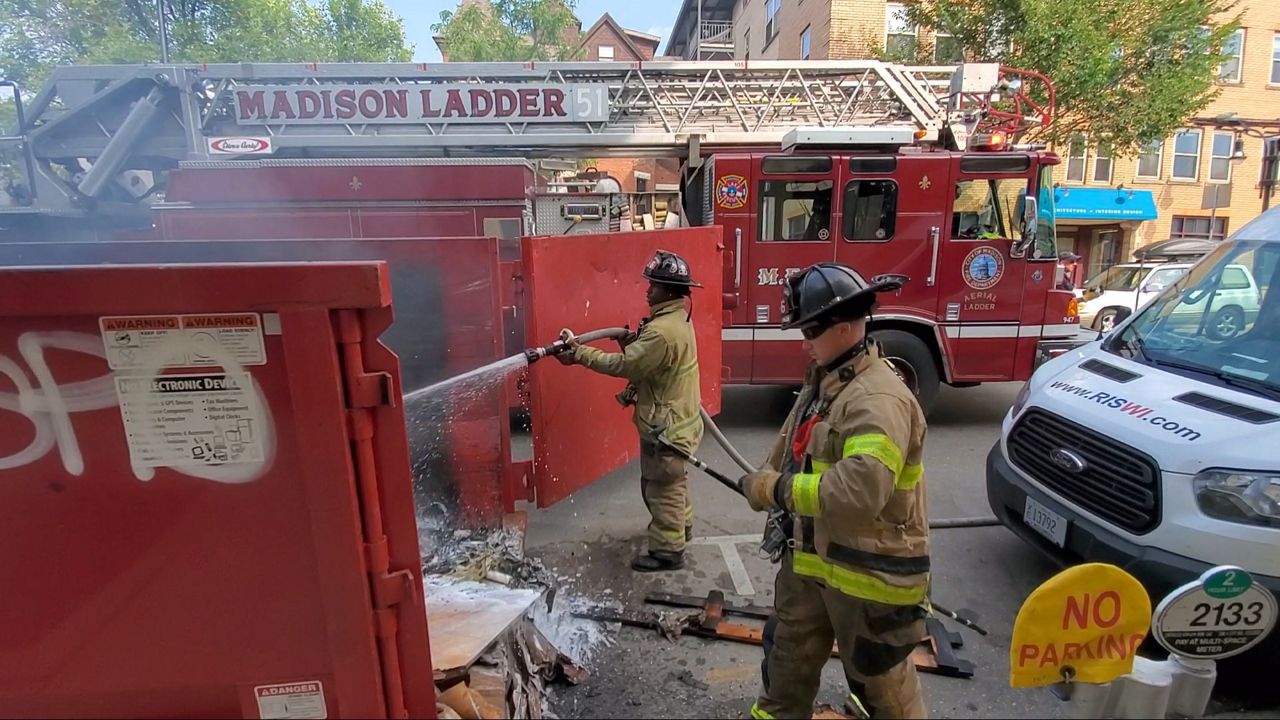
(716, 32)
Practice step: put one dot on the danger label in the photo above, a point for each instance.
(184, 420)
(291, 700)
(162, 341)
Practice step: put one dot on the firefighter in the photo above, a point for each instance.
(1068, 260)
(660, 362)
(848, 467)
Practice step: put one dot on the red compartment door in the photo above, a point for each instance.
(588, 282)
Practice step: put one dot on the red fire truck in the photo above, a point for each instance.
(889, 168)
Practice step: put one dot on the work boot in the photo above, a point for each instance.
(658, 561)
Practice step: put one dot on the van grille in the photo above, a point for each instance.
(1117, 483)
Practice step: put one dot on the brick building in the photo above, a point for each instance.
(607, 41)
(1203, 182)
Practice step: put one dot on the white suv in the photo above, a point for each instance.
(1124, 286)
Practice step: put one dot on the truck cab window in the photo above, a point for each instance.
(795, 211)
(870, 210)
(987, 209)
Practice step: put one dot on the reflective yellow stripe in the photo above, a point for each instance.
(759, 714)
(688, 511)
(819, 466)
(877, 446)
(853, 583)
(804, 494)
(910, 477)
(676, 535)
(691, 367)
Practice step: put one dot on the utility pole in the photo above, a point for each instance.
(164, 31)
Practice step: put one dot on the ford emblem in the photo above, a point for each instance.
(1068, 460)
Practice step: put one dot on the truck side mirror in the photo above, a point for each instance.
(1153, 287)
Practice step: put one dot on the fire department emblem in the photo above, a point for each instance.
(731, 192)
(983, 268)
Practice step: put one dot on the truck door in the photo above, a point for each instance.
(890, 222)
(793, 207)
(980, 283)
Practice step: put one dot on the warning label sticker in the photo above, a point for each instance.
(291, 700)
(163, 341)
(190, 419)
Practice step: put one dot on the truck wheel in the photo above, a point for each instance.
(914, 362)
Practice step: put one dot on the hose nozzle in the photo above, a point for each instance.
(535, 354)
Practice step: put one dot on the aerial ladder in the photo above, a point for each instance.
(97, 140)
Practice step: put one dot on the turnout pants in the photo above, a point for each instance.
(664, 483)
(875, 642)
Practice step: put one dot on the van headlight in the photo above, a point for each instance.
(1252, 498)
(1020, 401)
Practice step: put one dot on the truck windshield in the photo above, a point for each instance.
(1220, 322)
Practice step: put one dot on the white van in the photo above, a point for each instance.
(1157, 447)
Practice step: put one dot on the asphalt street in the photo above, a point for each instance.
(588, 539)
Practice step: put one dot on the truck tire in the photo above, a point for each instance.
(914, 361)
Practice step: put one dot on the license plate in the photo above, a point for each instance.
(1046, 522)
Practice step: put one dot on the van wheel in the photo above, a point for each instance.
(914, 362)
(1227, 323)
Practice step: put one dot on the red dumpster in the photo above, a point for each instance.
(206, 497)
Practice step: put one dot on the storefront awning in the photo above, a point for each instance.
(1078, 203)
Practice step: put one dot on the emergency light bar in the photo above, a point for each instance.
(866, 136)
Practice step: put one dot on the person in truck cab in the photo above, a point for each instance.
(660, 362)
(848, 466)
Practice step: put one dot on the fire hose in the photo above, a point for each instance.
(566, 340)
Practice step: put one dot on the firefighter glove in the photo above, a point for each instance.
(759, 488)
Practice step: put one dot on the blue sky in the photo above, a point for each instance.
(654, 17)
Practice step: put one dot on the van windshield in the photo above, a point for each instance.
(1220, 322)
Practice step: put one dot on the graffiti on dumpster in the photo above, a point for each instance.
(148, 405)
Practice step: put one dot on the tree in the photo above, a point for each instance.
(509, 30)
(37, 35)
(1126, 72)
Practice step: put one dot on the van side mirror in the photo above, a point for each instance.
(1153, 287)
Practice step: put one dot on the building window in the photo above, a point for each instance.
(746, 44)
(1102, 165)
(1077, 159)
(804, 44)
(1275, 58)
(1220, 165)
(771, 8)
(1232, 49)
(604, 52)
(1198, 228)
(946, 49)
(1186, 155)
(870, 210)
(900, 32)
(1150, 160)
(1270, 169)
(795, 211)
